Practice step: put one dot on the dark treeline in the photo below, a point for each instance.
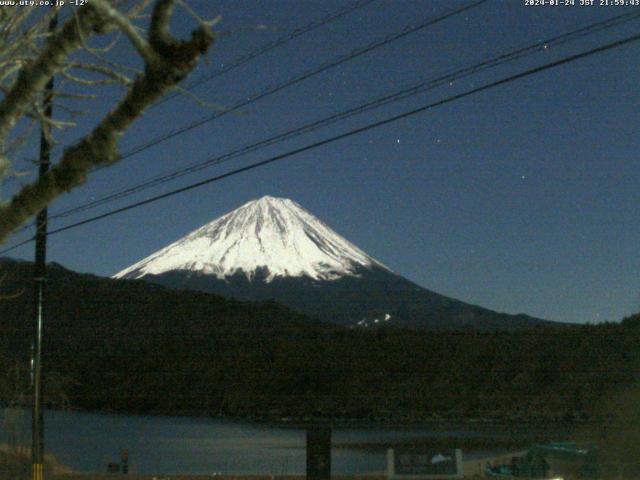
(132, 347)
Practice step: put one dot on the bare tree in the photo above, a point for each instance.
(30, 55)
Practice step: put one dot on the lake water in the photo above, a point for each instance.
(171, 445)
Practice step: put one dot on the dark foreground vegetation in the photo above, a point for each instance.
(127, 346)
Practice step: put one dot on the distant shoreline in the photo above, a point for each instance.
(302, 422)
(404, 421)
(471, 444)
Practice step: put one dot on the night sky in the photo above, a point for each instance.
(522, 198)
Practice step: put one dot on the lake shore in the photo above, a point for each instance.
(472, 469)
(194, 446)
(472, 466)
(89, 476)
(465, 444)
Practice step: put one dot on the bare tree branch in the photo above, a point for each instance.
(170, 62)
(107, 72)
(129, 29)
(33, 77)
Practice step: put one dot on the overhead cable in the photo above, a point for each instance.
(347, 134)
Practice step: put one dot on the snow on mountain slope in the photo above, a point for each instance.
(270, 233)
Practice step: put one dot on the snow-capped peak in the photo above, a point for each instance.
(270, 234)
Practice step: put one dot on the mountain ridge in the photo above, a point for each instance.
(271, 248)
(134, 347)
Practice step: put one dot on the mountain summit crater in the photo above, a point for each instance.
(270, 235)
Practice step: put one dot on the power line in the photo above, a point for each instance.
(420, 88)
(267, 48)
(24, 242)
(349, 133)
(310, 73)
(273, 45)
(322, 68)
(393, 97)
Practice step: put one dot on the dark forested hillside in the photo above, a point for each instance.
(131, 346)
(371, 294)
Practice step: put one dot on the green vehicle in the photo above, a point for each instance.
(551, 460)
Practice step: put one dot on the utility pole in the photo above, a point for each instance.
(40, 274)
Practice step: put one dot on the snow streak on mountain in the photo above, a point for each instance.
(273, 249)
(272, 235)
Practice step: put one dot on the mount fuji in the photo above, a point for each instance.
(272, 248)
